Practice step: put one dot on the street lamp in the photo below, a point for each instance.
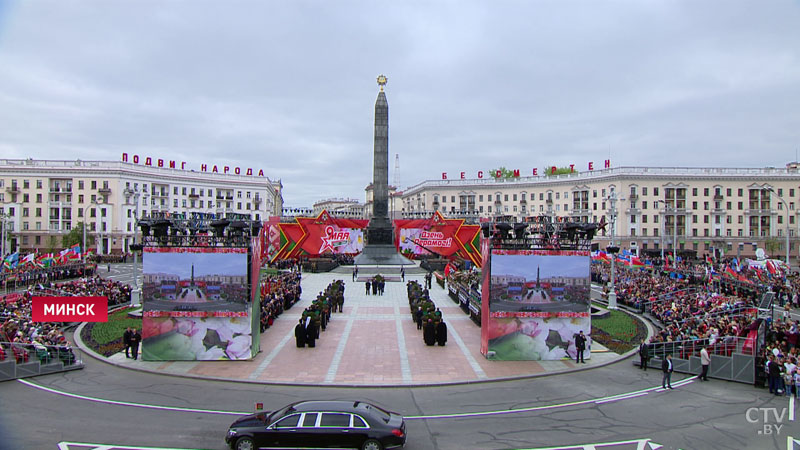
(674, 231)
(3, 218)
(786, 207)
(613, 249)
(92, 203)
(136, 194)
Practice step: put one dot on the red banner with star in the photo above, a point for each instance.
(312, 237)
(448, 238)
(328, 235)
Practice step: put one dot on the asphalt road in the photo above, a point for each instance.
(695, 415)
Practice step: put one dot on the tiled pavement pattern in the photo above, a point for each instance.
(373, 342)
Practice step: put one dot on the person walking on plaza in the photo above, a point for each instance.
(126, 341)
(402, 273)
(418, 317)
(355, 273)
(580, 346)
(644, 355)
(666, 367)
(136, 338)
(368, 287)
(705, 361)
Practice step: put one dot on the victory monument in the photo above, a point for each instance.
(379, 247)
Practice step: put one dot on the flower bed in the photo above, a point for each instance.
(619, 332)
(105, 338)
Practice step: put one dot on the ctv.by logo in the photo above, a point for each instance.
(773, 419)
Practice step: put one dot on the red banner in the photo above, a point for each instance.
(69, 309)
(437, 235)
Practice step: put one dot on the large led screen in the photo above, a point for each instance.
(205, 281)
(538, 282)
(196, 304)
(538, 303)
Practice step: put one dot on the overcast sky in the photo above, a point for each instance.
(289, 87)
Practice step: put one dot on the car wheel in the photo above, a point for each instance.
(244, 443)
(372, 444)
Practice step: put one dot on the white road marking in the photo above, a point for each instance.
(423, 417)
(337, 356)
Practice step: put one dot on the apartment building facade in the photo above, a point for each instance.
(720, 210)
(42, 200)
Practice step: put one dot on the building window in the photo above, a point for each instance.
(740, 192)
(183, 203)
(655, 191)
(694, 192)
(183, 191)
(238, 194)
(94, 184)
(175, 203)
(780, 192)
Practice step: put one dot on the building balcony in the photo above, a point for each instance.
(60, 190)
(194, 196)
(719, 211)
(104, 190)
(718, 197)
(633, 211)
(13, 189)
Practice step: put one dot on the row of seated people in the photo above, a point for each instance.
(46, 354)
(25, 276)
(689, 318)
(23, 337)
(278, 293)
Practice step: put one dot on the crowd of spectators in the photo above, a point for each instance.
(278, 293)
(690, 306)
(31, 275)
(21, 336)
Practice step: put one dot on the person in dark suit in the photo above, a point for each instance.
(368, 286)
(580, 346)
(666, 367)
(311, 332)
(644, 355)
(300, 334)
(429, 333)
(441, 333)
(136, 338)
(418, 317)
(126, 341)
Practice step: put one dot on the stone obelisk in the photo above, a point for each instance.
(379, 248)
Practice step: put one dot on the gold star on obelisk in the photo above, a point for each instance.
(382, 81)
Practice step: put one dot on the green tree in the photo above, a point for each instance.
(504, 173)
(52, 244)
(559, 170)
(75, 236)
(772, 246)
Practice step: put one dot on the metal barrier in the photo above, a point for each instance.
(20, 360)
(732, 358)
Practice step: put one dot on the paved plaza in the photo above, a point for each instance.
(373, 342)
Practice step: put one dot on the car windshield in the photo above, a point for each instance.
(378, 412)
(280, 413)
